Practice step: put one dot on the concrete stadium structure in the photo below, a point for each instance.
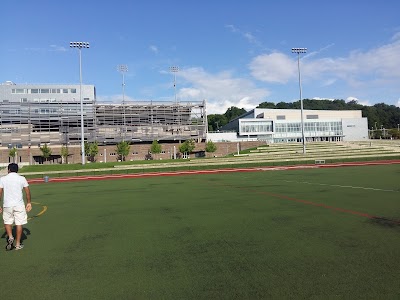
(32, 115)
(284, 125)
(36, 114)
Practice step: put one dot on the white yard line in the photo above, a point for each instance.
(343, 186)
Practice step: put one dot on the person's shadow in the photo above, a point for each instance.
(24, 236)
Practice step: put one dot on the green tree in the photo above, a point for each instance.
(394, 133)
(13, 153)
(122, 150)
(155, 147)
(377, 134)
(187, 146)
(266, 105)
(46, 151)
(233, 112)
(91, 150)
(211, 147)
(64, 154)
(215, 122)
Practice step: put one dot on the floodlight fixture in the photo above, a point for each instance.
(123, 69)
(298, 51)
(79, 46)
(174, 70)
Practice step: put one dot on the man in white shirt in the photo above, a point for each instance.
(14, 209)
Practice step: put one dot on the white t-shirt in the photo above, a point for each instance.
(13, 185)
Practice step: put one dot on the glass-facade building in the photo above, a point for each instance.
(284, 125)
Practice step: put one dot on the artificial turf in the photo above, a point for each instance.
(299, 234)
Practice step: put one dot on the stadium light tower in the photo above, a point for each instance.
(123, 69)
(79, 46)
(298, 51)
(174, 70)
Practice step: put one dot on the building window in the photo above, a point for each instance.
(44, 91)
(24, 100)
(65, 91)
(281, 117)
(312, 117)
(34, 91)
(255, 126)
(73, 91)
(18, 91)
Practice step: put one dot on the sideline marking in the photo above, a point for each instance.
(343, 186)
(40, 213)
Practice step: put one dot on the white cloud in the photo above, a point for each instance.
(376, 66)
(221, 90)
(362, 73)
(362, 102)
(34, 49)
(51, 48)
(246, 35)
(314, 53)
(396, 36)
(348, 99)
(232, 28)
(274, 68)
(321, 98)
(57, 48)
(328, 81)
(153, 49)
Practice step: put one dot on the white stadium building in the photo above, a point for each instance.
(284, 125)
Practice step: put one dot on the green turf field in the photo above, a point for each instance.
(299, 234)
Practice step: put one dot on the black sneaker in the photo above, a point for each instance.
(10, 243)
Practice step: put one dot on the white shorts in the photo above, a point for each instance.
(15, 214)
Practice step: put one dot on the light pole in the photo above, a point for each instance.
(174, 70)
(123, 69)
(79, 46)
(298, 51)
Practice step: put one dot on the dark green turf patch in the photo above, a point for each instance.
(386, 222)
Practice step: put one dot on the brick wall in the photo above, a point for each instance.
(137, 152)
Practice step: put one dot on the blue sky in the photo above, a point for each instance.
(231, 53)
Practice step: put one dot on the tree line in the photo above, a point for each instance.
(380, 116)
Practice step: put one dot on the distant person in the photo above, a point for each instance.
(14, 210)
